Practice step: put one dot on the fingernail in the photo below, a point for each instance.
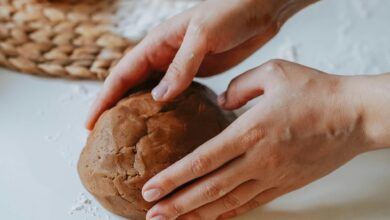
(159, 91)
(222, 99)
(159, 217)
(151, 194)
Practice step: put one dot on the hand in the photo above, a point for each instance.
(305, 125)
(206, 40)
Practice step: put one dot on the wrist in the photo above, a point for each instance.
(370, 96)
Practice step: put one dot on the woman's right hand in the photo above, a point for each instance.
(205, 40)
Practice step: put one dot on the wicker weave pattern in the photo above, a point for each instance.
(70, 40)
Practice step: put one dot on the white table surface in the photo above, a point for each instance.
(41, 125)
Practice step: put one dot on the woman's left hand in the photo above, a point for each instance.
(305, 125)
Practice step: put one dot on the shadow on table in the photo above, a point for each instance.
(373, 206)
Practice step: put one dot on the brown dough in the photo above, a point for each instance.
(138, 138)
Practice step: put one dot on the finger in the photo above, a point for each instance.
(184, 66)
(131, 69)
(236, 198)
(155, 52)
(202, 191)
(260, 200)
(248, 85)
(206, 158)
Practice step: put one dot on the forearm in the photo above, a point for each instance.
(372, 97)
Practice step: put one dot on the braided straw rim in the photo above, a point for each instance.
(71, 39)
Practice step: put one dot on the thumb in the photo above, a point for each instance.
(247, 86)
(184, 66)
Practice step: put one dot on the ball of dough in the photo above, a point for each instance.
(138, 138)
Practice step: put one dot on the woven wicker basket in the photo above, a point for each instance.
(70, 39)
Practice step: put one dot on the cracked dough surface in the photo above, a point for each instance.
(140, 137)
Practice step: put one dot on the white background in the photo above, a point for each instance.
(41, 125)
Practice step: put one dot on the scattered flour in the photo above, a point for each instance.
(52, 138)
(135, 18)
(79, 92)
(344, 31)
(40, 113)
(74, 92)
(362, 9)
(84, 206)
(80, 89)
(69, 126)
(81, 204)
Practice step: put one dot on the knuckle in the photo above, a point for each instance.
(172, 209)
(212, 191)
(252, 137)
(175, 71)
(201, 30)
(275, 70)
(199, 27)
(231, 201)
(273, 66)
(177, 209)
(200, 165)
(167, 183)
